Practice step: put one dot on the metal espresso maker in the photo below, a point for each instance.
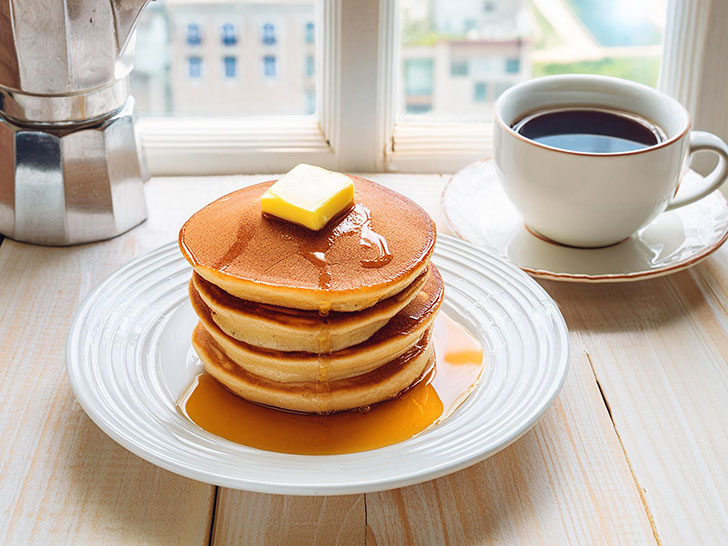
(71, 166)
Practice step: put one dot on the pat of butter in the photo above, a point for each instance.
(309, 196)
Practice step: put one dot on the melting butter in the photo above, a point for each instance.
(309, 196)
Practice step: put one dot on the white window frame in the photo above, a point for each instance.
(355, 128)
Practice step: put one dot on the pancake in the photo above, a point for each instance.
(384, 383)
(284, 329)
(394, 339)
(372, 252)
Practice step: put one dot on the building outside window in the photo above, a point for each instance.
(499, 88)
(230, 66)
(444, 53)
(269, 34)
(229, 36)
(480, 92)
(269, 66)
(194, 34)
(194, 67)
(513, 65)
(459, 68)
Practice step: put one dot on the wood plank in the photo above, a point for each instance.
(660, 352)
(258, 519)
(63, 480)
(565, 482)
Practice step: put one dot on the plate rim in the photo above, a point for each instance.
(584, 278)
(561, 333)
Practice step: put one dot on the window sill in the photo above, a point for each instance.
(195, 146)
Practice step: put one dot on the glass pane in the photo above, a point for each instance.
(458, 56)
(225, 58)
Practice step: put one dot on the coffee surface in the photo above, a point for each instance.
(588, 130)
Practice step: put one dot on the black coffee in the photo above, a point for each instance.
(587, 130)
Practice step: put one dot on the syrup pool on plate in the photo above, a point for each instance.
(458, 367)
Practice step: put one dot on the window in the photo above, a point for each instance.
(500, 42)
(269, 66)
(269, 34)
(393, 80)
(418, 76)
(230, 66)
(194, 35)
(459, 68)
(310, 101)
(309, 66)
(415, 108)
(166, 83)
(229, 36)
(503, 42)
(194, 65)
(480, 92)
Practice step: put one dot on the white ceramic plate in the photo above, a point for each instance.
(129, 357)
(477, 210)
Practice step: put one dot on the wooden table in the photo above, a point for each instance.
(633, 451)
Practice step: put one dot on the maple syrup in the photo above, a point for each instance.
(459, 364)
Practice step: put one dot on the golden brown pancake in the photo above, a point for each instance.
(384, 383)
(372, 252)
(283, 329)
(395, 338)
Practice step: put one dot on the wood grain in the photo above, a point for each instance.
(565, 482)
(256, 519)
(62, 481)
(659, 350)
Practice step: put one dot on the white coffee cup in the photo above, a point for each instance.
(592, 199)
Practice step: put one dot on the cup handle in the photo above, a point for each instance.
(702, 141)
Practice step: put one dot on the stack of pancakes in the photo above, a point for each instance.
(314, 321)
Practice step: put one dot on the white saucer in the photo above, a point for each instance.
(477, 210)
(129, 359)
